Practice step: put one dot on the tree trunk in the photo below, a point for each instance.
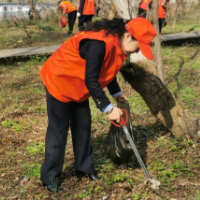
(160, 101)
(158, 56)
(113, 12)
(97, 7)
(156, 95)
(179, 8)
(33, 13)
(123, 11)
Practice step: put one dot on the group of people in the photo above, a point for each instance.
(147, 4)
(87, 10)
(81, 67)
(85, 13)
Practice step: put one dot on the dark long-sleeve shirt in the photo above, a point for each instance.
(93, 51)
(82, 2)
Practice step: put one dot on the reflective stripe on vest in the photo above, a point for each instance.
(144, 4)
(64, 72)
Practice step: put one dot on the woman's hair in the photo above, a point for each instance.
(58, 3)
(114, 26)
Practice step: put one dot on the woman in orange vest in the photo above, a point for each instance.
(81, 67)
(86, 12)
(162, 13)
(68, 8)
(143, 7)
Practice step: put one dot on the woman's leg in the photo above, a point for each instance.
(55, 142)
(162, 23)
(89, 18)
(72, 19)
(81, 137)
(82, 20)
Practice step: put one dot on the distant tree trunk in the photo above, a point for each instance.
(123, 11)
(179, 7)
(113, 12)
(33, 13)
(97, 7)
(156, 95)
(158, 56)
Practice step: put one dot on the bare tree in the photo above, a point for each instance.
(179, 7)
(158, 56)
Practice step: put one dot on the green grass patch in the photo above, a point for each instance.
(31, 170)
(36, 148)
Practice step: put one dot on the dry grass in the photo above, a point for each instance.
(23, 122)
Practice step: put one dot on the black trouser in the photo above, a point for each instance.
(162, 23)
(142, 13)
(72, 19)
(59, 115)
(84, 19)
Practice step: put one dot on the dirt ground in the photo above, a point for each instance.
(23, 126)
(23, 123)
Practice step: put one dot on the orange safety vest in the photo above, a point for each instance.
(161, 10)
(63, 73)
(89, 7)
(67, 7)
(144, 4)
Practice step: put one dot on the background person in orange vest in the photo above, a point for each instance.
(143, 7)
(85, 12)
(68, 8)
(80, 68)
(162, 13)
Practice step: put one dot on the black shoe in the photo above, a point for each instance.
(69, 34)
(92, 177)
(52, 188)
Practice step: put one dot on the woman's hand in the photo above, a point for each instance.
(115, 114)
(121, 96)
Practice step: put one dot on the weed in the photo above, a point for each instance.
(137, 196)
(116, 178)
(40, 195)
(46, 27)
(197, 196)
(36, 148)
(17, 128)
(159, 165)
(160, 143)
(6, 123)
(16, 125)
(98, 190)
(31, 170)
(10, 153)
(188, 94)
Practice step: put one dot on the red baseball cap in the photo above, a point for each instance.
(144, 32)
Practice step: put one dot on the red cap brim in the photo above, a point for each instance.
(146, 50)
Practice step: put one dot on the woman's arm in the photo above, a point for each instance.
(82, 2)
(93, 51)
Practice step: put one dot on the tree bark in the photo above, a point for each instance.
(160, 101)
(113, 12)
(158, 56)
